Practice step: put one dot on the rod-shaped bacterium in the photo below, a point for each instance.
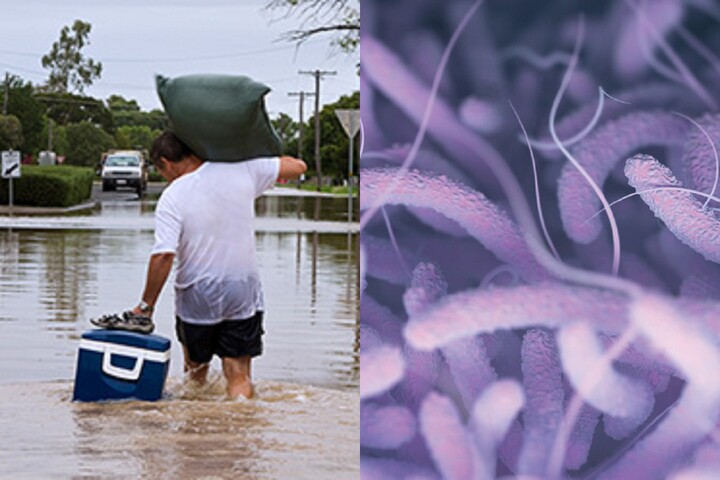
(682, 213)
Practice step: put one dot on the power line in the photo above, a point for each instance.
(280, 80)
(20, 54)
(172, 59)
(69, 100)
(101, 84)
(199, 57)
(21, 69)
(356, 86)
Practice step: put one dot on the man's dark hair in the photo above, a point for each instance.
(168, 145)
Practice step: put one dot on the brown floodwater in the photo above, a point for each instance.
(289, 431)
(304, 422)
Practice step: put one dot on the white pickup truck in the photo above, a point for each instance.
(124, 168)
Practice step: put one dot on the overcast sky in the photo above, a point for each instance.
(137, 39)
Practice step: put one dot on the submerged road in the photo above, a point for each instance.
(272, 225)
(27, 219)
(155, 189)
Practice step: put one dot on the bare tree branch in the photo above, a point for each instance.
(297, 35)
(322, 16)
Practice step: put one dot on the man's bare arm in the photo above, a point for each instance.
(291, 168)
(158, 270)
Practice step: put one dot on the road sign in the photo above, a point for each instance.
(350, 121)
(10, 164)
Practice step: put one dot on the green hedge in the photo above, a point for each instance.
(49, 186)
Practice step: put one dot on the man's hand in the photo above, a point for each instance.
(291, 168)
(138, 310)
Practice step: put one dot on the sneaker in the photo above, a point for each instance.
(127, 321)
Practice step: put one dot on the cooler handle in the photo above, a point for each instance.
(119, 372)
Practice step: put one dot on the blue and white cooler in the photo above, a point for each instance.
(115, 365)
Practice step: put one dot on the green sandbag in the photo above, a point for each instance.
(222, 118)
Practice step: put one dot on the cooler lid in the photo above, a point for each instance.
(121, 337)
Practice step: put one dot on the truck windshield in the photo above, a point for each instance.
(122, 162)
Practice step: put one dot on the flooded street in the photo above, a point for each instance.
(305, 421)
(289, 431)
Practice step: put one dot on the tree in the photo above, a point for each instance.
(333, 140)
(23, 104)
(338, 17)
(287, 129)
(10, 132)
(127, 113)
(86, 143)
(68, 67)
(117, 103)
(156, 119)
(66, 108)
(136, 137)
(124, 112)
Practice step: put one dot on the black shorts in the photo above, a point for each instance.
(229, 338)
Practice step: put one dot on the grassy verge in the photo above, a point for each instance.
(311, 187)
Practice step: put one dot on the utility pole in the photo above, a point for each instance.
(7, 92)
(10, 180)
(301, 131)
(318, 74)
(50, 134)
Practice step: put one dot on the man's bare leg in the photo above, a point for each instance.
(238, 375)
(196, 371)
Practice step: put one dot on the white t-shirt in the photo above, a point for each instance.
(205, 218)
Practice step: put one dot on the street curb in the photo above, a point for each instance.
(25, 210)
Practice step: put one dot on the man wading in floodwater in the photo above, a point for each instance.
(205, 218)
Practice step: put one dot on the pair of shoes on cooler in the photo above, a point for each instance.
(125, 321)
